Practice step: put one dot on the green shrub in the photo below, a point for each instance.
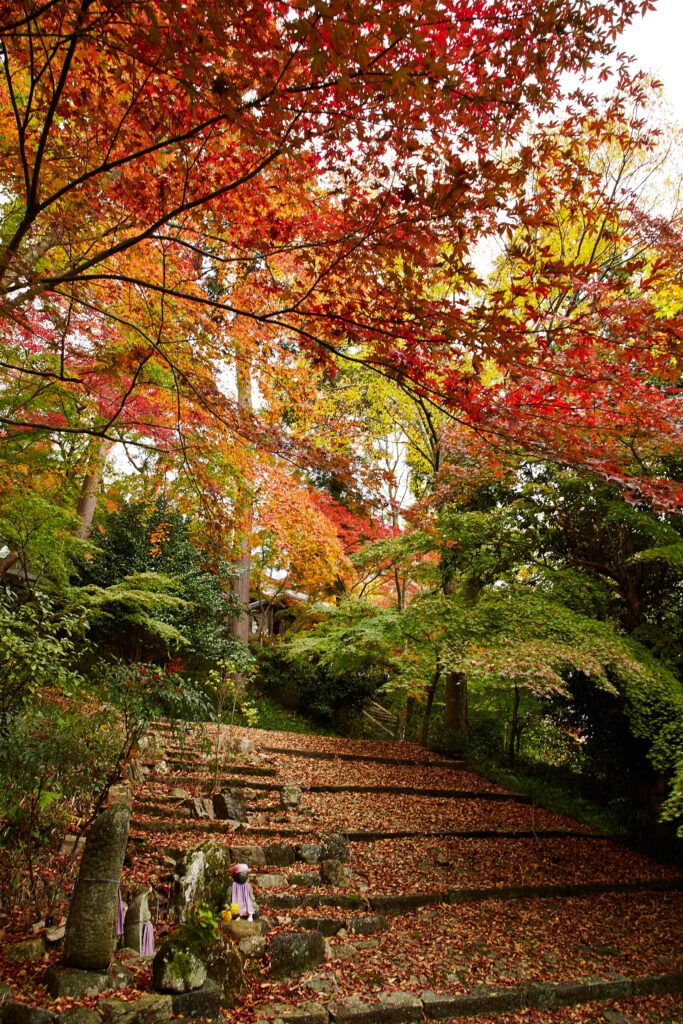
(305, 685)
(38, 649)
(55, 763)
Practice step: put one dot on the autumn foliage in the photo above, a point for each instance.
(185, 185)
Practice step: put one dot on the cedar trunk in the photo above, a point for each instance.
(456, 716)
(244, 514)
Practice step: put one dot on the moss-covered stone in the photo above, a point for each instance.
(177, 969)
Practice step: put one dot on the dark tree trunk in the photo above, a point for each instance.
(241, 581)
(513, 735)
(456, 716)
(431, 694)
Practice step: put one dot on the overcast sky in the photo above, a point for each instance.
(657, 42)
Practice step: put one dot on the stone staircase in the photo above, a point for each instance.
(517, 912)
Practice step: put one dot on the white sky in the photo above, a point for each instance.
(656, 41)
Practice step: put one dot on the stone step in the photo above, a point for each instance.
(197, 825)
(405, 1007)
(325, 755)
(236, 769)
(447, 794)
(362, 836)
(206, 779)
(395, 905)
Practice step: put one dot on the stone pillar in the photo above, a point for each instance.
(90, 936)
(137, 916)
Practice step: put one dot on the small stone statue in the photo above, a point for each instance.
(241, 891)
(139, 931)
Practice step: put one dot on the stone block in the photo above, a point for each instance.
(271, 881)
(236, 745)
(307, 878)
(306, 1013)
(120, 793)
(253, 947)
(13, 1012)
(200, 807)
(71, 845)
(229, 805)
(322, 984)
(309, 853)
(334, 872)
(254, 856)
(345, 951)
(281, 855)
(80, 1015)
(242, 929)
(369, 924)
(201, 1002)
(148, 1009)
(351, 1009)
(290, 796)
(438, 1005)
(70, 981)
(327, 926)
(176, 968)
(335, 847)
(400, 1007)
(25, 952)
(90, 934)
(545, 997)
(224, 967)
(292, 953)
(487, 1003)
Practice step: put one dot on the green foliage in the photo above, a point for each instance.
(303, 680)
(139, 602)
(272, 715)
(55, 762)
(144, 692)
(225, 687)
(42, 534)
(39, 644)
(152, 596)
(200, 927)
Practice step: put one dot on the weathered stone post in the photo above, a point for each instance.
(90, 936)
(138, 917)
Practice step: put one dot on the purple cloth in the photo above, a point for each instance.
(120, 915)
(241, 895)
(147, 945)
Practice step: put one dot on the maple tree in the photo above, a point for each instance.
(339, 158)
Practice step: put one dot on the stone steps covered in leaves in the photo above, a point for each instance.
(450, 794)
(394, 905)
(237, 769)
(325, 755)
(203, 779)
(406, 1007)
(199, 825)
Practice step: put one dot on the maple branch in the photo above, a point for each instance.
(33, 15)
(17, 118)
(21, 369)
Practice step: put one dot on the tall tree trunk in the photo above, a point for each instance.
(455, 713)
(513, 736)
(456, 716)
(401, 723)
(90, 488)
(244, 513)
(431, 694)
